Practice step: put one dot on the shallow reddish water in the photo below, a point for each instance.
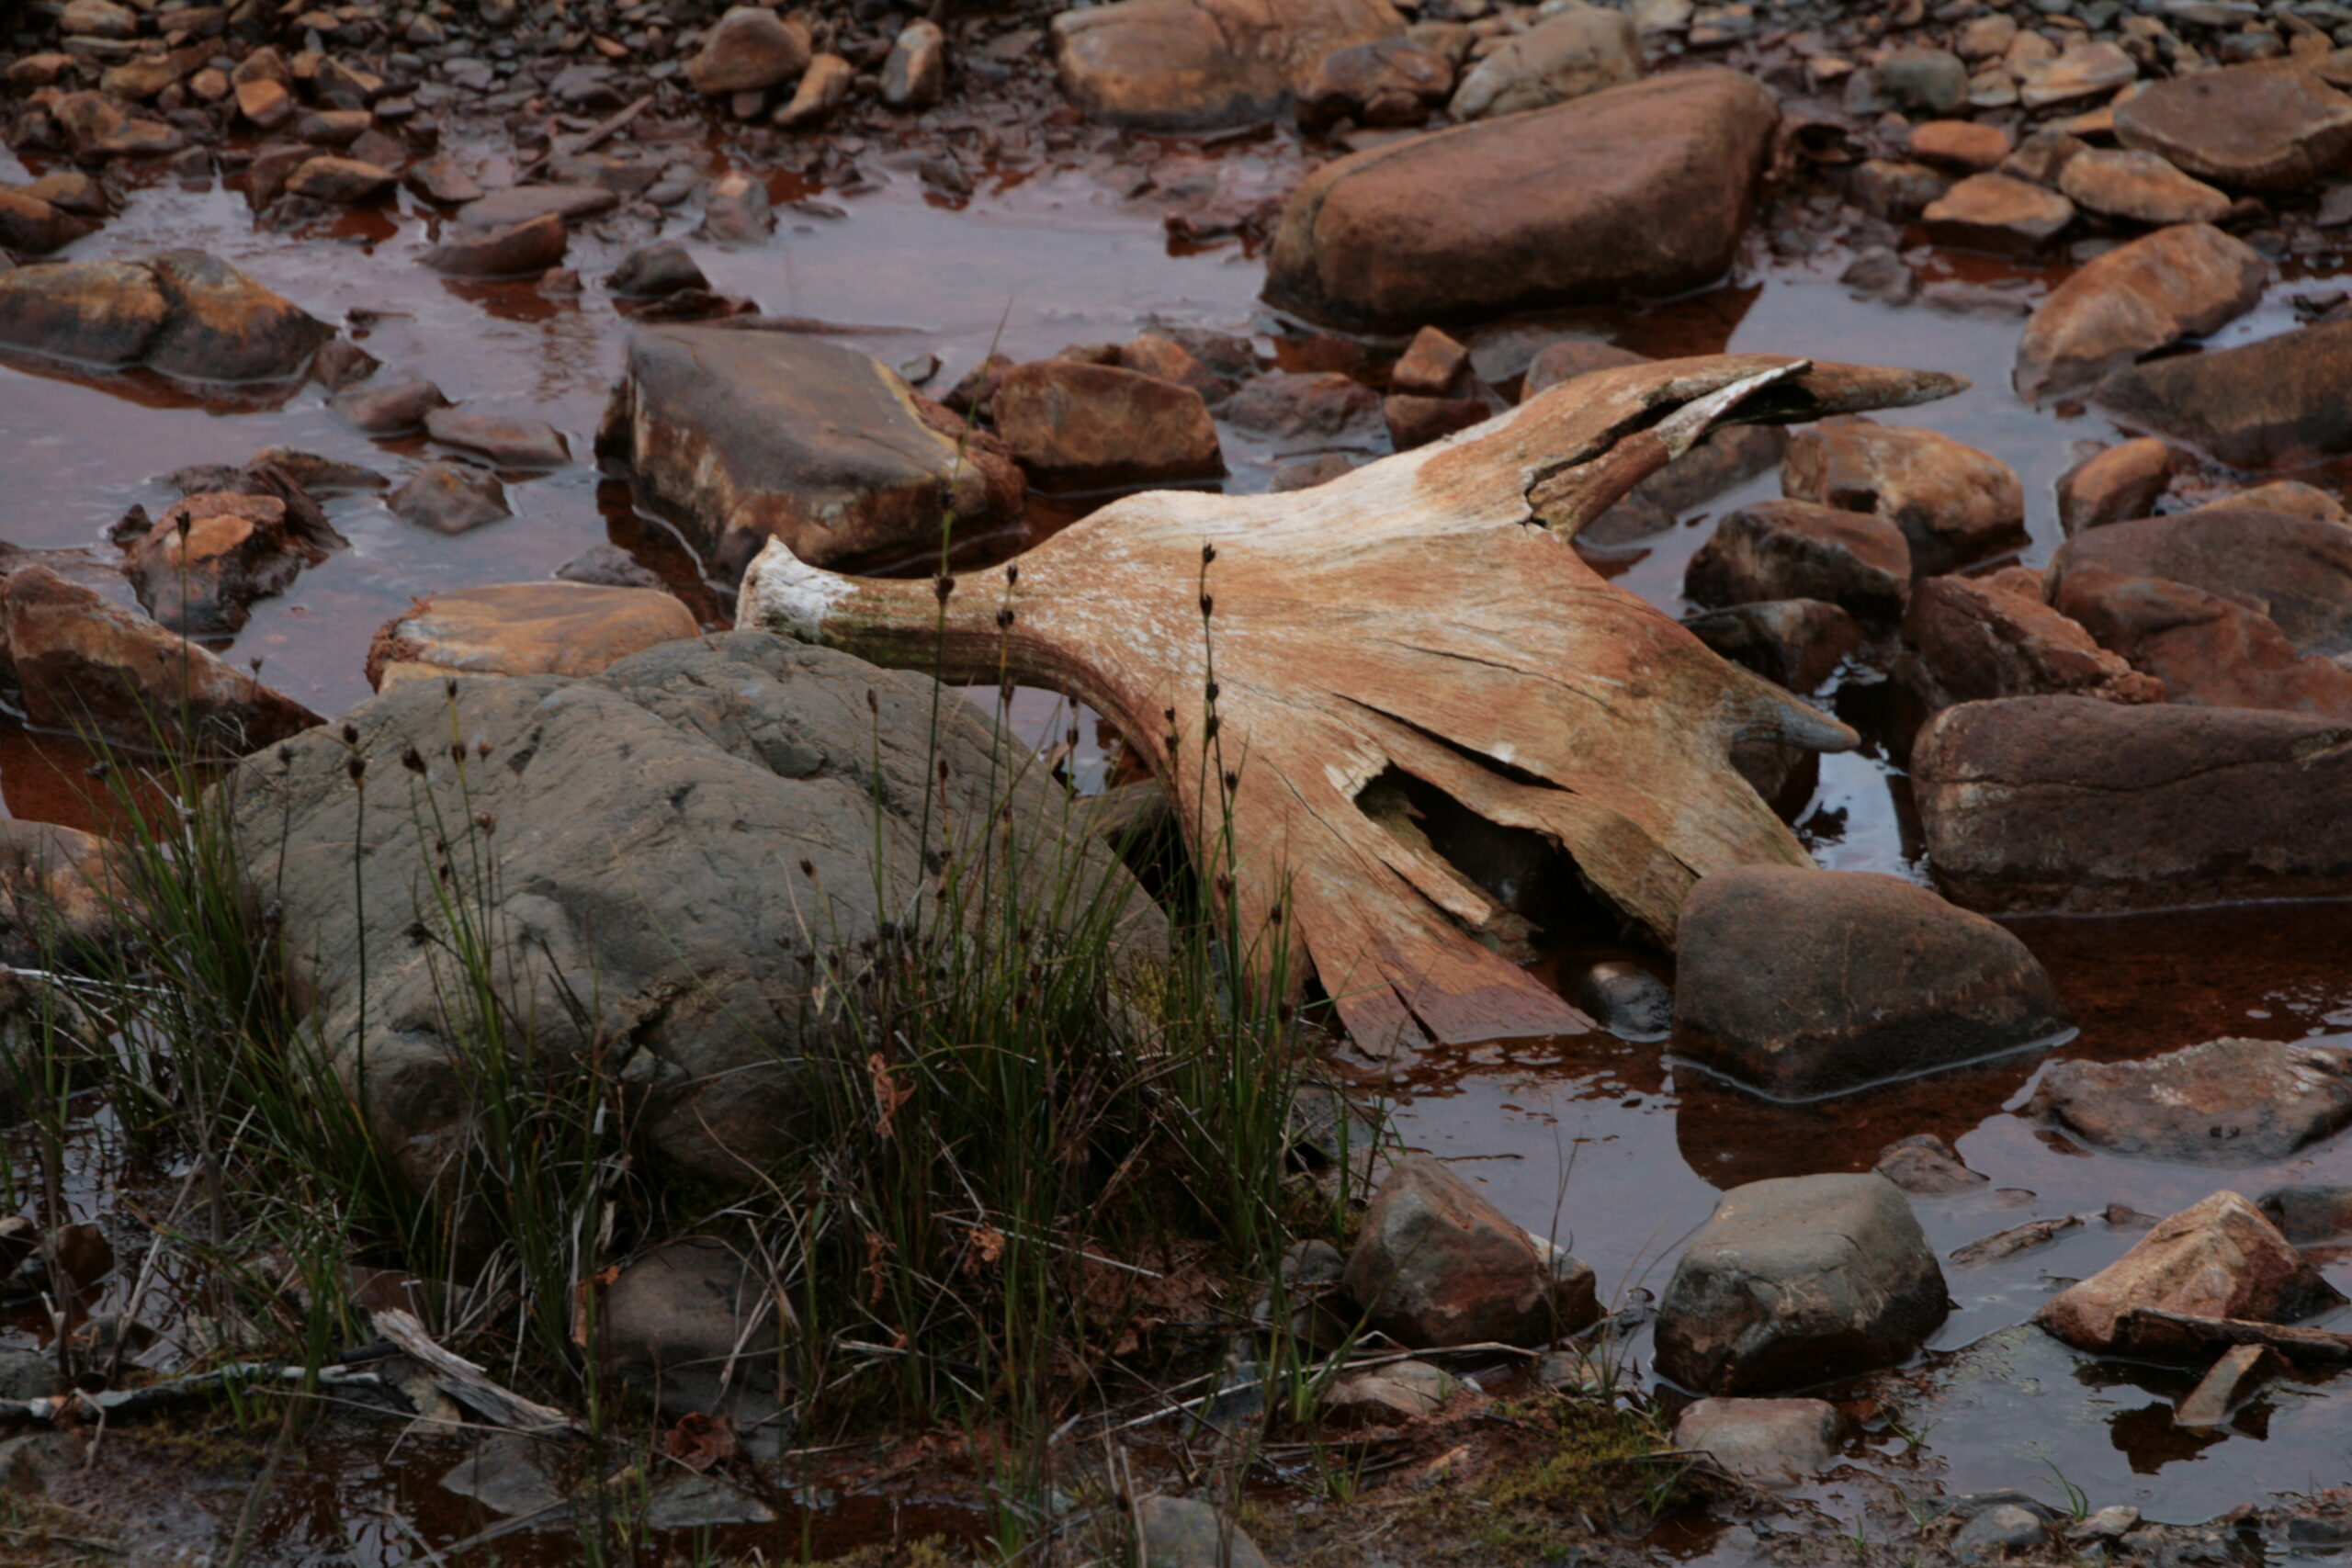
(1599, 1142)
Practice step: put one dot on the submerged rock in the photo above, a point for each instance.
(742, 436)
(2218, 1259)
(207, 559)
(1439, 1265)
(2234, 1103)
(1798, 983)
(1177, 65)
(1798, 1281)
(2069, 802)
(1925, 1165)
(451, 498)
(525, 628)
(2180, 282)
(627, 810)
(1796, 643)
(1639, 190)
(1954, 503)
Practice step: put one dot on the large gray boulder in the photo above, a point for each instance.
(1641, 189)
(1798, 983)
(741, 436)
(683, 843)
(2071, 803)
(1797, 1281)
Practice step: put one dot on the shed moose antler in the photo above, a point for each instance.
(1426, 612)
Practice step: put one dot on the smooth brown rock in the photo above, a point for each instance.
(1925, 1165)
(31, 227)
(386, 407)
(1415, 421)
(2231, 1102)
(450, 498)
(915, 73)
(2139, 187)
(1639, 190)
(1430, 366)
(1096, 424)
(340, 180)
(60, 899)
(266, 103)
(2042, 157)
(509, 443)
(525, 628)
(1966, 643)
(1795, 549)
(1571, 357)
(1954, 502)
(98, 128)
(821, 90)
(742, 436)
(1896, 189)
(2218, 1259)
(2247, 128)
(1176, 65)
(74, 661)
(103, 314)
(2283, 403)
(1798, 983)
(2207, 649)
(1153, 354)
(749, 49)
(1995, 212)
(221, 325)
(2073, 804)
(2114, 484)
(1960, 143)
(512, 250)
(1439, 1265)
(2082, 70)
(2292, 497)
(1289, 404)
(2296, 570)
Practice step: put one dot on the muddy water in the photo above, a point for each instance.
(1599, 1142)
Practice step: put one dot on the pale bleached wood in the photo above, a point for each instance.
(1425, 613)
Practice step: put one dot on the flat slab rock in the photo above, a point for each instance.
(2262, 128)
(741, 436)
(2181, 281)
(2228, 1102)
(2282, 402)
(2069, 802)
(525, 628)
(1640, 189)
(185, 314)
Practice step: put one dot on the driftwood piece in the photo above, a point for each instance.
(468, 1384)
(2157, 1335)
(1425, 614)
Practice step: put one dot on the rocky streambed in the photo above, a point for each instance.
(372, 345)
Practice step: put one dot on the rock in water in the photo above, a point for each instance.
(2249, 127)
(628, 812)
(1797, 1281)
(2114, 483)
(2180, 282)
(2298, 569)
(1578, 49)
(1794, 550)
(2069, 802)
(1773, 1442)
(1439, 1265)
(743, 437)
(1799, 984)
(1640, 189)
(525, 628)
(2283, 403)
(1796, 643)
(185, 314)
(73, 660)
(1966, 642)
(2220, 1258)
(2234, 1103)
(451, 498)
(207, 559)
(1097, 424)
(1175, 65)
(1954, 502)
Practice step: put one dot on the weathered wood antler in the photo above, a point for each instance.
(1425, 613)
